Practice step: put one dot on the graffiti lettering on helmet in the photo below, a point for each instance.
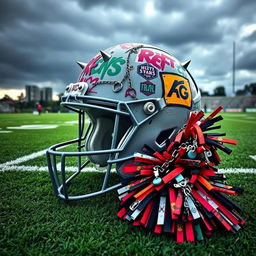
(112, 67)
(147, 71)
(147, 88)
(92, 63)
(176, 90)
(87, 70)
(90, 79)
(159, 60)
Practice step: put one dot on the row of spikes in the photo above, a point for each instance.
(107, 56)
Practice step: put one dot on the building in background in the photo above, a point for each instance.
(46, 94)
(32, 93)
(36, 94)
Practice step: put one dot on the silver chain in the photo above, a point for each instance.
(118, 86)
(175, 154)
(186, 188)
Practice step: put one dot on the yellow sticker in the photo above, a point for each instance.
(176, 90)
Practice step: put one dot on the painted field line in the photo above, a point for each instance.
(27, 168)
(239, 121)
(253, 157)
(24, 158)
(92, 169)
(238, 170)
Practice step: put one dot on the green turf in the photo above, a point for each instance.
(34, 222)
(23, 142)
(241, 127)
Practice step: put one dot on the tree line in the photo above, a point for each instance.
(249, 89)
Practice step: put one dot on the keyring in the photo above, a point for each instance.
(117, 87)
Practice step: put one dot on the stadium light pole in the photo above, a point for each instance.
(234, 66)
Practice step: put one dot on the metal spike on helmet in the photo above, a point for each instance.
(105, 56)
(185, 64)
(81, 64)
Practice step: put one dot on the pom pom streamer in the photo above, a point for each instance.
(178, 191)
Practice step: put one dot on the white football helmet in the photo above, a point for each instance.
(133, 94)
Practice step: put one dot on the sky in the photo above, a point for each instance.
(40, 40)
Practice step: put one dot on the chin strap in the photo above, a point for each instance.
(179, 191)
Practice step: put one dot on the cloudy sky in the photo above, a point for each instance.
(40, 40)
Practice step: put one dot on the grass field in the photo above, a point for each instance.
(34, 222)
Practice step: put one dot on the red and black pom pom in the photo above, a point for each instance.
(179, 191)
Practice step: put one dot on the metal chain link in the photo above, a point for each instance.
(175, 154)
(118, 86)
(186, 188)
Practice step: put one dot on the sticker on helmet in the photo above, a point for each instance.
(147, 71)
(147, 88)
(176, 90)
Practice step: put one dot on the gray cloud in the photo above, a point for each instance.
(110, 4)
(41, 39)
(252, 37)
(247, 61)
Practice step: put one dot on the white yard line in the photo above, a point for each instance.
(27, 168)
(238, 170)
(92, 169)
(239, 121)
(237, 115)
(33, 127)
(14, 166)
(253, 157)
(24, 158)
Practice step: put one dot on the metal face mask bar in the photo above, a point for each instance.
(78, 104)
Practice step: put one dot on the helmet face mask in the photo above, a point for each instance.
(133, 94)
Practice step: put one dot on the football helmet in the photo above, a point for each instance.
(131, 94)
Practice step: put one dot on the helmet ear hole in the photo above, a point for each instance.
(100, 138)
(101, 135)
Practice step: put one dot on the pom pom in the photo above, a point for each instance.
(178, 191)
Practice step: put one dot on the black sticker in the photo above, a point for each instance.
(147, 88)
(147, 71)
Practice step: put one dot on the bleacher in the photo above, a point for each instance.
(239, 103)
